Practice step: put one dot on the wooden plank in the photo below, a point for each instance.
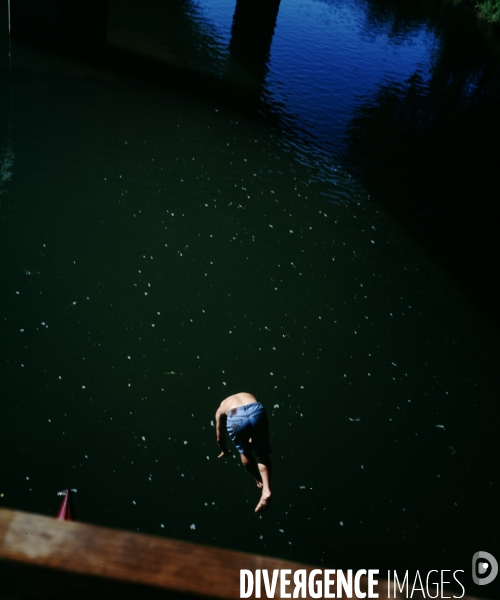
(41, 546)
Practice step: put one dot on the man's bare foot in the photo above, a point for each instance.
(264, 503)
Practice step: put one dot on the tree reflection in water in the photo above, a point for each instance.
(429, 149)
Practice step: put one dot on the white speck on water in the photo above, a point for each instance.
(341, 523)
(281, 530)
(185, 442)
(21, 330)
(27, 478)
(208, 457)
(86, 456)
(129, 357)
(144, 439)
(134, 502)
(394, 364)
(49, 420)
(302, 487)
(83, 387)
(223, 383)
(276, 406)
(440, 426)
(192, 526)
(162, 526)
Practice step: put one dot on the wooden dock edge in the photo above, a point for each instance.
(61, 555)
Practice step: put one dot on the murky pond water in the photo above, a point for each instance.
(167, 242)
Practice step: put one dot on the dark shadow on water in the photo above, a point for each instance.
(167, 47)
(251, 36)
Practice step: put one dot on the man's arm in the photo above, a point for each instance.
(220, 427)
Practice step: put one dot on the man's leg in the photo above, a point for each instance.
(250, 465)
(264, 465)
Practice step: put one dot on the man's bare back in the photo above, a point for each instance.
(235, 400)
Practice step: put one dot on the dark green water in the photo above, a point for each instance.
(167, 241)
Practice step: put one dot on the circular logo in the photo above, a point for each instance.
(483, 566)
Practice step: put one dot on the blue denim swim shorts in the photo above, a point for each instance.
(249, 421)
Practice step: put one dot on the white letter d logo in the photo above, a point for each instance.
(482, 567)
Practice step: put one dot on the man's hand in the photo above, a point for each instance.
(225, 452)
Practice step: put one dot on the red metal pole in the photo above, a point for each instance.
(66, 512)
